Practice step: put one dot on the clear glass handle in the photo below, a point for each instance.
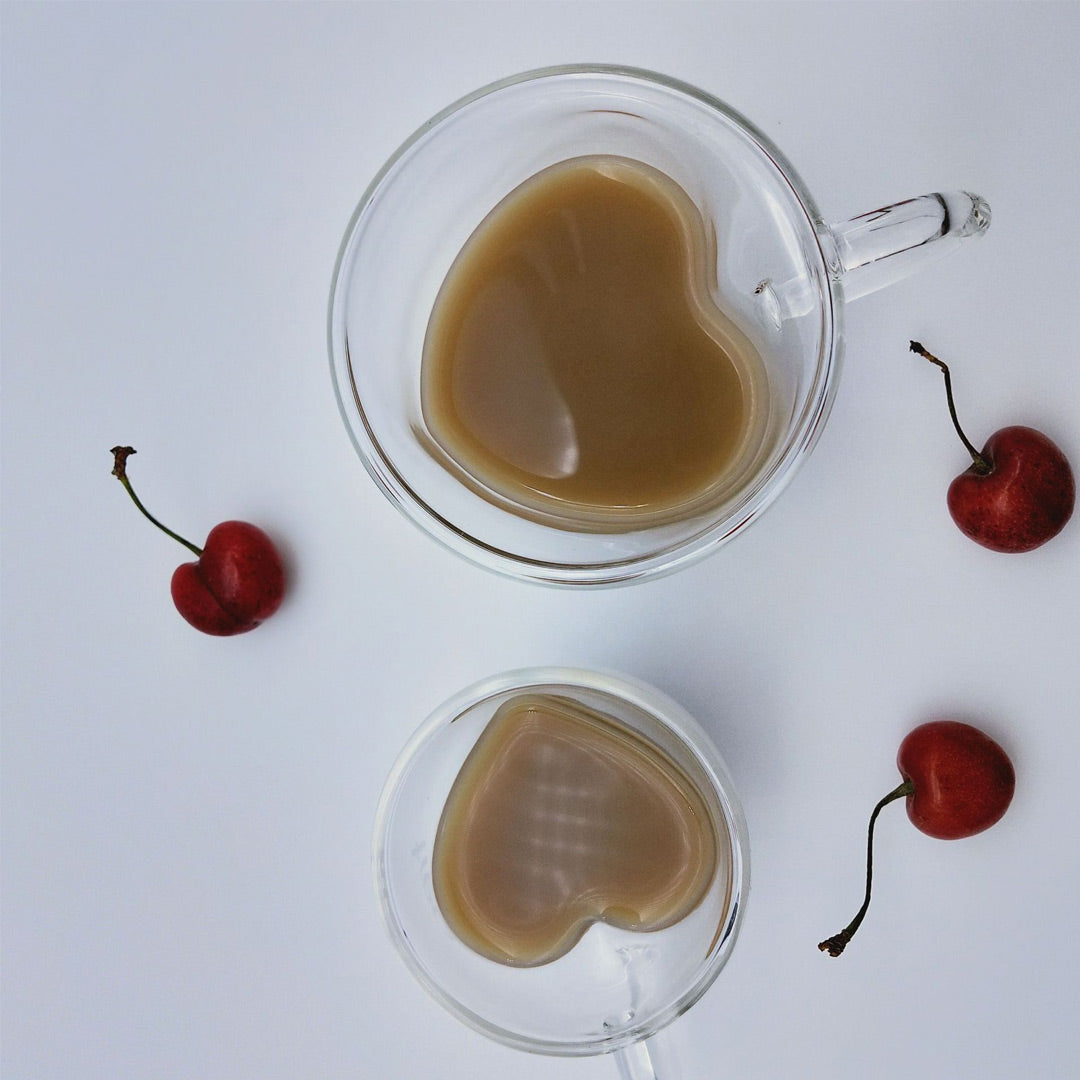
(885, 245)
(642, 1061)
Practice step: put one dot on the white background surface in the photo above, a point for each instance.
(187, 820)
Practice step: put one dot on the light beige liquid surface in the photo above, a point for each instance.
(559, 817)
(575, 362)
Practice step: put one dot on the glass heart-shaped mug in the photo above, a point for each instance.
(777, 272)
(579, 814)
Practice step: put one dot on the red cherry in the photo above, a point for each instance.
(238, 580)
(237, 583)
(957, 782)
(1024, 497)
(962, 780)
(1017, 493)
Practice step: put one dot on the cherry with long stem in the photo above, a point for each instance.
(120, 455)
(237, 580)
(835, 945)
(981, 464)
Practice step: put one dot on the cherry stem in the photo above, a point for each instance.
(120, 455)
(981, 464)
(835, 945)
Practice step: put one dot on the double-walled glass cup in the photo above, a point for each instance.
(782, 275)
(615, 988)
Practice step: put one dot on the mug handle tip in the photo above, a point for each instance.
(876, 249)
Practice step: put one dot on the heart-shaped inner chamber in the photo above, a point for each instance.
(560, 817)
(575, 361)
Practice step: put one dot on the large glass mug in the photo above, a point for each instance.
(614, 988)
(782, 274)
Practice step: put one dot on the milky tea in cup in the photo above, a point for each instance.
(561, 860)
(561, 817)
(587, 322)
(575, 362)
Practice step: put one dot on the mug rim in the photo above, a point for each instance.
(804, 431)
(671, 715)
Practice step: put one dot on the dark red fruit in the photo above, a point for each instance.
(238, 580)
(1017, 493)
(1022, 497)
(237, 583)
(963, 781)
(957, 782)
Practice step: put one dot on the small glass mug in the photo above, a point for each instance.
(782, 275)
(615, 988)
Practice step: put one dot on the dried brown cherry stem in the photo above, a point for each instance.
(981, 464)
(835, 945)
(120, 455)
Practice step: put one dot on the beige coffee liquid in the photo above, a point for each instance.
(574, 361)
(560, 817)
